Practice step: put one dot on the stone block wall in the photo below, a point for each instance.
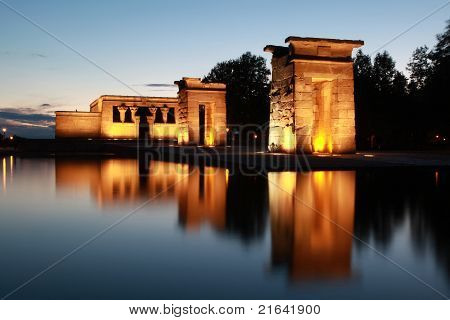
(281, 126)
(193, 94)
(77, 124)
(312, 95)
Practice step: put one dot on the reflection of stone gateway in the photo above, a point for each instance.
(121, 117)
(312, 243)
(311, 101)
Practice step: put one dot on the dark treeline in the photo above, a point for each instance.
(395, 112)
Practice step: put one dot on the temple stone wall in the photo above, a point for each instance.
(324, 107)
(130, 130)
(193, 94)
(281, 137)
(77, 124)
(164, 131)
(182, 118)
(311, 100)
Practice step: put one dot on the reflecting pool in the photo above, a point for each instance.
(116, 228)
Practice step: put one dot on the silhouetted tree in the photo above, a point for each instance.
(441, 51)
(380, 102)
(247, 80)
(383, 71)
(364, 92)
(419, 68)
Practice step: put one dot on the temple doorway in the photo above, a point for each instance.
(201, 123)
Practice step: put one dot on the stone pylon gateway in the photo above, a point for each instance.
(311, 100)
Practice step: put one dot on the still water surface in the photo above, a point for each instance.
(207, 233)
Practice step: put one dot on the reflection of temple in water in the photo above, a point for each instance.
(302, 238)
(305, 212)
(203, 194)
(200, 192)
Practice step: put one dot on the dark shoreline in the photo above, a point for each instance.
(229, 157)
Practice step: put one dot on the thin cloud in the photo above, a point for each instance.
(27, 117)
(39, 55)
(25, 122)
(160, 85)
(22, 55)
(44, 108)
(157, 85)
(39, 124)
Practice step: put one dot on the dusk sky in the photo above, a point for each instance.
(157, 42)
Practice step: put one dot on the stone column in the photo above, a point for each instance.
(165, 111)
(151, 117)
(122, 110)
(133, 110)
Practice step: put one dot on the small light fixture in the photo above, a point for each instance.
(255, 136)
(4, 130)
(11, 138)
(228, 129)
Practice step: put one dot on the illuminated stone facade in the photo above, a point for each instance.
(311, 100)
(197, 116)
(201, 112)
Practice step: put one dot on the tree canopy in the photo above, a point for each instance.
(247, 80)
(399, 112)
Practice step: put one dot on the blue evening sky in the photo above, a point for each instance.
(157, 42)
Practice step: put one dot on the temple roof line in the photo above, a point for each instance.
(311, 39)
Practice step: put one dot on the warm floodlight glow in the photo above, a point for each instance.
(11, 138)
(4, 130)
(288, 140)
(209, 139)
(319, 144)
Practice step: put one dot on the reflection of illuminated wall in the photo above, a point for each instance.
(200, 192)
(301, 237)
(204, 199)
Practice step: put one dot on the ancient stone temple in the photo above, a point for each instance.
(311, 100)
(197, 116)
